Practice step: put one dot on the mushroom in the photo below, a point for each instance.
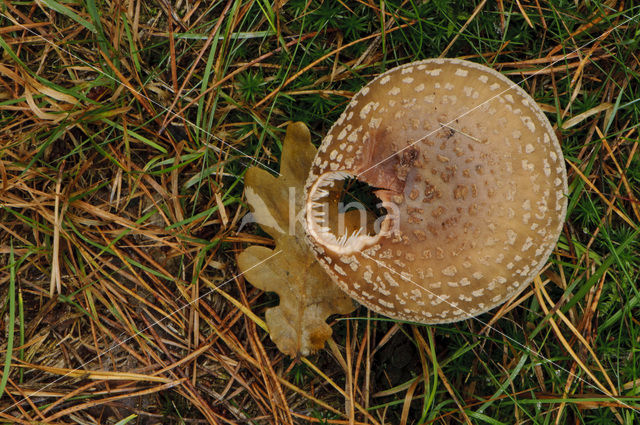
(473, 181)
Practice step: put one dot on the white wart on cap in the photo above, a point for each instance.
(472, 176)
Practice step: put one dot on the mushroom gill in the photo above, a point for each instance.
(472, 178)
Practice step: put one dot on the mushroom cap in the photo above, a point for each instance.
(473, 180)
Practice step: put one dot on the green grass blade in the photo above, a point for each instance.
(71, 14)
(21, 318)
(12, 322)
(95, 17)
(126, 420)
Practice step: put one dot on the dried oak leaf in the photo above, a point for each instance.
(307, 295)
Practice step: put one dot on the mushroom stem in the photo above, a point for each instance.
(341, 239)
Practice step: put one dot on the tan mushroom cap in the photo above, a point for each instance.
(473, 180)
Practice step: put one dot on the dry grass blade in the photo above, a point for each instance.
(623, 176)
(56, 279)
(107, 400)
(125, 132)
(560, 335)
(608, 202)
(573, 121)
(446, 383)
(96, 374)
(541, 288)
(475, 12)
(320, 60)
